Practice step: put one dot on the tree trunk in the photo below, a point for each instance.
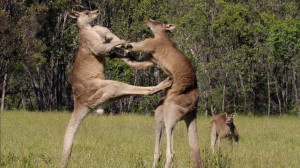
(234, 106)
(283, 91)
(120, 107)
(223, 101)
(277, 94)
(59, 84)
(296, 92)
(4, 85)
(3, 91)
(23, 100)
(36, 87)
(206, 106)
(224, 94)
(286, 91)
(212, 102)
(244, 92)
(269, 93)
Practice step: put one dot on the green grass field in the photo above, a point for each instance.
(34, 139)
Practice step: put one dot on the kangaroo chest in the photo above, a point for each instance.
(161, 63)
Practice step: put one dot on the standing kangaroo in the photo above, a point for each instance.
(222, 126)
(92, 92)
(181, 99)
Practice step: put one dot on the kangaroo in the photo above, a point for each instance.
(180, 101)
(92, 92)
(222, 126)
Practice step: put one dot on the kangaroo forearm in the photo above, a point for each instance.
(137, 65)
(140, 47)
(113, 37)
(102, 49)
(110, 46)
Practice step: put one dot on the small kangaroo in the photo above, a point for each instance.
(92, 92)
(180, 102)
(222, 126)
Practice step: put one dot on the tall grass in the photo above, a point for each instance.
(34, 139)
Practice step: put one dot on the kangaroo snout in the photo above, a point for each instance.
(95, 11)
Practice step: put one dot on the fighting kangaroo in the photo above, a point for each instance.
(92, 92)
(222, 126)
(180, 101)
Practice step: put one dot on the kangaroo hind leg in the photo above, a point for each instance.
(191, 123)
(123, 89)
(172, 114)
(78, 115)
(159, 126)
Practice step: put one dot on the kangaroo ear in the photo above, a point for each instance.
(170, 27)
(226, 114)
(73, 14)
(232, 115)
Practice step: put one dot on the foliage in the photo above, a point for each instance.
(244, 52)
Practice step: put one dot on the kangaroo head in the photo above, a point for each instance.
(229, 119)
(158, 27)
(84, 17)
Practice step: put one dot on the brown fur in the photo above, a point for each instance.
(181, 99)
(92, 92)
(222, 126)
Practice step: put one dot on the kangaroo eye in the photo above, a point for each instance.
(86, 12)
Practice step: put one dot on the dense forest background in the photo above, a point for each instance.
(245, 52)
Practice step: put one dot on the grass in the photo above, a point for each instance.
(34, 139)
